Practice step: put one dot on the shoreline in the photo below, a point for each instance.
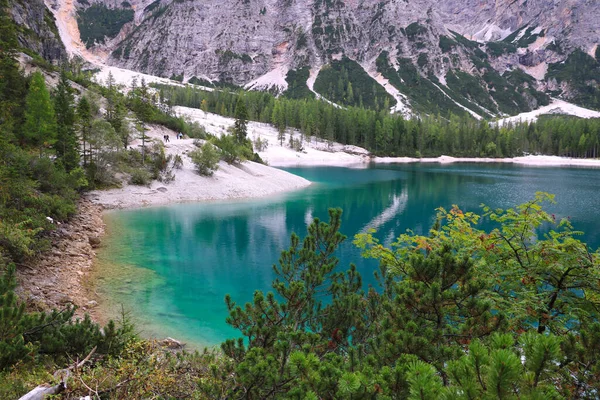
(59, 276)
(531, 161)
(64, 274)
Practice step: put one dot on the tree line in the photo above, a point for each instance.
(392, 135)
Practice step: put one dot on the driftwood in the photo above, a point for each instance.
(43, 390)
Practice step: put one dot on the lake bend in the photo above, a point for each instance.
(171, 267)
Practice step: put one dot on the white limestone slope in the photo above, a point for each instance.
(274, 79)
(316, 152)
(555, 107)
(246, 180)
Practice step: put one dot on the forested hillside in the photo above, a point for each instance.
(462, 312)
(392, 135)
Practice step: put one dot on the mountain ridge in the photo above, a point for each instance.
(486, 59)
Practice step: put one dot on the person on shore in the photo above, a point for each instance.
(180, 135)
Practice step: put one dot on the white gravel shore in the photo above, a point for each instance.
(246, 180)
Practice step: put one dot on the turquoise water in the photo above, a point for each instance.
(172, 266)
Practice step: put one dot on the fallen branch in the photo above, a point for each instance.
(43, 390)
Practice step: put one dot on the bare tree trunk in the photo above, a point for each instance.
(43, 390)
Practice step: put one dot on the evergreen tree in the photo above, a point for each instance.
(40, 120)
(12, 84)
(240, 129)
(84, 114)
(66, 138)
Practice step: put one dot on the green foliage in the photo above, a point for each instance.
(446, 44)
(232, 152)
(415, 29)
(206, 159)
(497, 49)
(346, 82)
(40, 121)
(140, 177)
(297, 88)
(66, 138)
(460, 314)
(240, 126)
(26, 336)
(429, 135)
(98, 22)
(579, 71)
(423, 94)
(177, 78)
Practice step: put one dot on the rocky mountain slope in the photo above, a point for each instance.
(486, 58)
(36, 29)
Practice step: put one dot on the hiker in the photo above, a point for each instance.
(180, 135)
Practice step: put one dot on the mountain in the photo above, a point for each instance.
(36, 30)
(486, 58)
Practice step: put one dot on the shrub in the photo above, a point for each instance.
(206, 159)
(260, 144)
(231, 151)
(140, 177)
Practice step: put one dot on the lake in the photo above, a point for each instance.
(170, 267)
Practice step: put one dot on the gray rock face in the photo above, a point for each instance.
(37, 29)
(238, 41)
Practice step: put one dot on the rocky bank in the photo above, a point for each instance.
(57, 277)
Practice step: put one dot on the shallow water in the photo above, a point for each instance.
(172, 266)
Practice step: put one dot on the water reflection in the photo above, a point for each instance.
(191, 255)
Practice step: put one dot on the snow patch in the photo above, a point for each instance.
(520, 35)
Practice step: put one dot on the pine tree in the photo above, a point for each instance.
(12, 84)
(84, 114)
(66, 138)
(12, 343)
(40, 120)
(240, 129)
